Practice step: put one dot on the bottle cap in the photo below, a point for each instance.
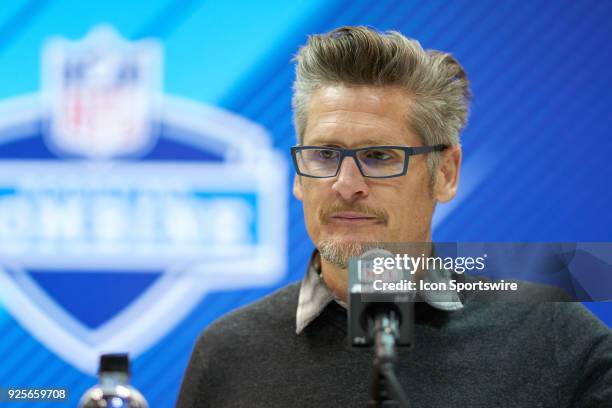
(114, 362)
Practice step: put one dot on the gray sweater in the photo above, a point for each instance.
(489, 354)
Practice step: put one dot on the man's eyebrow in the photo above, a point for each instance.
(335, 141)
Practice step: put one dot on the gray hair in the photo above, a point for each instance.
(360, 56)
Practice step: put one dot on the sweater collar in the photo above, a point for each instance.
(314, 294)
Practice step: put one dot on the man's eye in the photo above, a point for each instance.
(379, 155)
(327, 154)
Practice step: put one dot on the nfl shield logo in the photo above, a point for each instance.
(100, 255)
(103, 93)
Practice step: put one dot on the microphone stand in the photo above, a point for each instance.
(386, 389)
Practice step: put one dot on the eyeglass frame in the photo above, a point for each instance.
(408, 151)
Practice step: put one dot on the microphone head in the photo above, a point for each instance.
(378, 264)
(378, 276)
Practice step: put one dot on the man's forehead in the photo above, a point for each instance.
(349, 134)
(355, 141)
(367, 97)
(359, 116)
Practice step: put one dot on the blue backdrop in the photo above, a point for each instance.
(536, 151)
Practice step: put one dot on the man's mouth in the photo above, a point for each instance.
(352, 217)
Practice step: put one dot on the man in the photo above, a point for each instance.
(378, 120)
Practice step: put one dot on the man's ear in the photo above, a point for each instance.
(297, 187)
(447, 174)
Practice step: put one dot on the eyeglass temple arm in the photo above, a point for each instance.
(428, 149)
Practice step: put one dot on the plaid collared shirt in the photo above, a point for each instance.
(315, 295)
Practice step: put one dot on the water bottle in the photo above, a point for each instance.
(113, 389)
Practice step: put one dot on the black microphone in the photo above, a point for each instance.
(383, 317)
(372, 302)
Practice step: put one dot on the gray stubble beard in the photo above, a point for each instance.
(338, 253)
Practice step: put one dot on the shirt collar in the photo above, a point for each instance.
(314, 294)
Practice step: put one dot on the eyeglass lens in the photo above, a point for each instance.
(376, 162)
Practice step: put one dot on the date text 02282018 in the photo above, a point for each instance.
(33, 394)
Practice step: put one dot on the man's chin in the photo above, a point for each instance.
(339, 252)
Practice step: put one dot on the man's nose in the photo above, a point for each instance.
(350, 184)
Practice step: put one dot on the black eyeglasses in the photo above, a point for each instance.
(372, 161)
